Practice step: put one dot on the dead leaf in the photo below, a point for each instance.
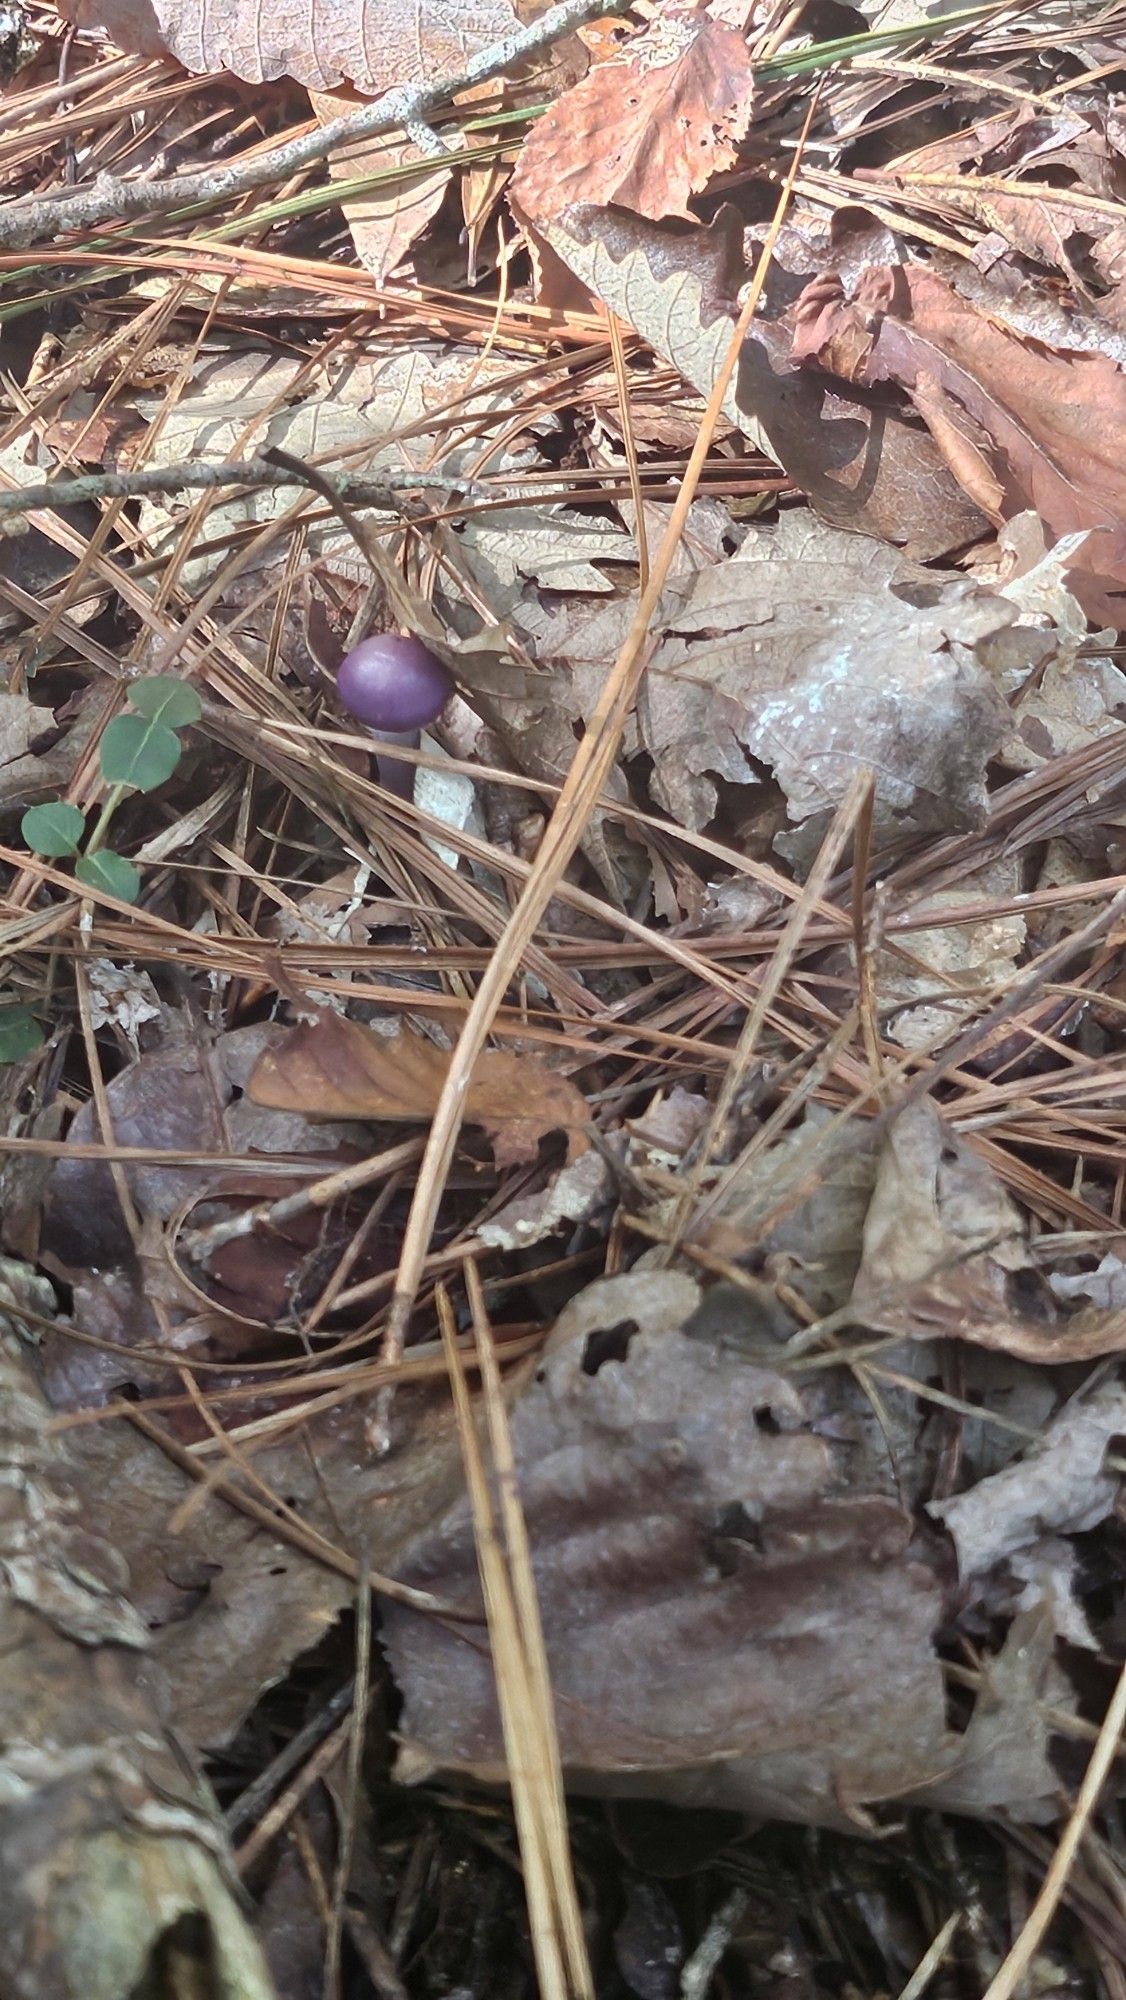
(388, 220)
(334, 1068)
(727, 1622)
(572, 1195)
(228, 1604)
(1057, 1486)
(811, 1238)
(647, 129)
(865, 462)
(1019, 423)
(710, 1611)
(946, 1252)
(373, 44)
(813, 652)
(942, 977)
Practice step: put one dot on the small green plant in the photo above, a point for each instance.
(139, 752)
(20, 1034)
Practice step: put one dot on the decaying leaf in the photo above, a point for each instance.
(647, 129)
(941, 977)
(228, 1604)
(373, 44)
(726, 1621)
(334, 1068)
(866, 463)
(811, 1238)
(946, 1252)
(572, 1195)
(1057, 1487)
(1020, 423)
(682, 1534)
(388, 220)
(811, 652)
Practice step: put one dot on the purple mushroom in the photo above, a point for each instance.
(396, 687)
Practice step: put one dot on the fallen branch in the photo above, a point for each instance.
(386, 491)
(404, 109)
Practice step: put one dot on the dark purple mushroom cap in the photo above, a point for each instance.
(392, 682)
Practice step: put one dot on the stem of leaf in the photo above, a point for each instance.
(113, 800)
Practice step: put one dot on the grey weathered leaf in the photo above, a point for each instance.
(727, 1620)
(374, 44)
(1057, 1486)
(816, 654)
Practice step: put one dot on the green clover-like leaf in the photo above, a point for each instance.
(163, 698)
(20, 1034)
(138, 752)
(54, 828)
(111, 872)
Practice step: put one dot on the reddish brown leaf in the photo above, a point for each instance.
(646, 130)
(333, 1068)
(1020, 423)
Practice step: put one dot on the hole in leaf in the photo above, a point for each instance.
(608, 1343)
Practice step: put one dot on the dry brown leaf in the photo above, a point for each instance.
(864, 460)
(333, 1068)
(373, 44)
(1057, 1487)
(229, 1605)
(711, 1609)
(386, 222)
(727, 1622)
(946, 1253)
(1020, 424)
(646, 130)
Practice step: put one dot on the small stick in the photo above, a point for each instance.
(405, 108)
(344, 486)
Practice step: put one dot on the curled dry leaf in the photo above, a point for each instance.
(865, 462)
(1020, 424)
(1058, 1487)
(946, 1252)
(647, 129)
(373, 44)
(333, 1068)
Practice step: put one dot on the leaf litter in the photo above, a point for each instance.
(743, 1505)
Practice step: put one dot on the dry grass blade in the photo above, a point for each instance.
(1015, 1968)
(523, 1694)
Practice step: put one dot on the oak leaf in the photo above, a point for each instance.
(646, 130)
(333, 1068)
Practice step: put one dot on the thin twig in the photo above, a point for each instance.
(404, 109)
(246, 1809)
(346, 486)
(697, 1974)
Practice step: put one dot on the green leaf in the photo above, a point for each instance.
(138, 752)
(111, 872)
(20, 1034)
(163, 698)
(55, 828)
